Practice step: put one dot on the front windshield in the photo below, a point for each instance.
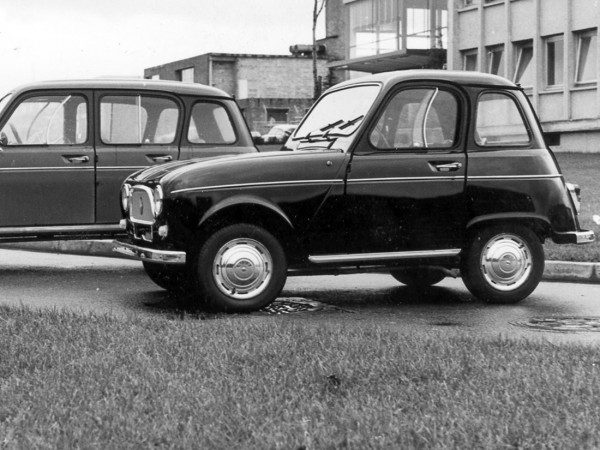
(338, 113)
(4, 101)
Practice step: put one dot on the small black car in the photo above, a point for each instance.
(417, 173)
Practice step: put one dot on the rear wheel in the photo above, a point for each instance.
(503, 264)
(168, 276)
(240, 268)
(418, 277)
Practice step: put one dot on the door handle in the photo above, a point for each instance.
(447, 167)
(78, 159)
(162, 158)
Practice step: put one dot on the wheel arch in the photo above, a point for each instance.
(539, 224)
(255, 211)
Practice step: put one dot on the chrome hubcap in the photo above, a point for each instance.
(506, 262)
(242, 268)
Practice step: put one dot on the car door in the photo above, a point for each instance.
(47, 160)
(405, 188)
(134, 130)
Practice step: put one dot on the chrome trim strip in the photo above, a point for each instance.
(405, 179)
(258, 184)
(68, 168)
(121, 167)
(149, 254)
(512, 177)
(356, 257)
(58, 229)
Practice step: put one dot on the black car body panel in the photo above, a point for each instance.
(385, 185)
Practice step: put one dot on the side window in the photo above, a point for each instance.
(210, 124)
(47, 120)
(138, 119)
(417, 118)
(499, 122)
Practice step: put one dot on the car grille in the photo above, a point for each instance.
(141, 205)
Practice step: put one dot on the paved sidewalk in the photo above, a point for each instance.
(577, 272)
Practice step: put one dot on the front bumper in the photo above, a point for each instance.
(574, 237)
(150, 254)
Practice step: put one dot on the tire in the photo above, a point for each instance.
(418, 277)
(257, 268)
(503, 264)
(168, 276)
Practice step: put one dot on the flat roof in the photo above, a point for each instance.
(452, 76)
(176, 87)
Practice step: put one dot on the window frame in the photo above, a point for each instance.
(548, 40)
(520, 46)
(133, 93)
(509, 94)
(465, 55)
(16, 101)
(188, 122)
(460, 131)
(580, 35)
(492, 50)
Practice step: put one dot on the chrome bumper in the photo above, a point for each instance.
(149, 254)
(574, 237)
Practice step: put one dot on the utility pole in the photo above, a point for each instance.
(317, 9)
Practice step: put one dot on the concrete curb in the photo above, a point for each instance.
(576, 272)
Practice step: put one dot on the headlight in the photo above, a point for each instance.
(158, 200)
(125, 196)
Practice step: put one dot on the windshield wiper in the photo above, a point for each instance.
(324, 133)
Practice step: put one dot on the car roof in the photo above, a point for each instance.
(176, 87)
(452, 76)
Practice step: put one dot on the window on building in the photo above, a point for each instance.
(417, 118)
(499, 122)
(470, 2)
(469, 60)
(47, 120)
(587, 51)
(375, 26)
(524, 72)
(136, 119)
(210, 124)
(185, 75)
(495, 60)
(554, 60)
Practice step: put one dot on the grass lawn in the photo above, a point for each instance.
(584, 170)
(276, 382)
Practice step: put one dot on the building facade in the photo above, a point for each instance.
(550, 47)
(270, 89)
(371, 36)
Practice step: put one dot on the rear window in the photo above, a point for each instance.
(499, 122)
(210, 124)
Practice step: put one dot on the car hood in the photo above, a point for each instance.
(246, 169)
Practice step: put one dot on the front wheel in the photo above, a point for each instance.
(240, 268)
(503, 264)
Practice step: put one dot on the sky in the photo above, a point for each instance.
(64, 39)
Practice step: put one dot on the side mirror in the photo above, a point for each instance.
(3, 139)
(552, 139)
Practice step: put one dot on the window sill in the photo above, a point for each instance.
(496, 3)
(549, 90)
(588, 86)
(463, 9)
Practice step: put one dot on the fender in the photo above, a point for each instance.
(512, 216)
(245, 200)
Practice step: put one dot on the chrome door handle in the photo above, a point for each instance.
(164, 158)
(78, 159)
(448, 167)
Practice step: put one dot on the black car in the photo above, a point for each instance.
(416, 173)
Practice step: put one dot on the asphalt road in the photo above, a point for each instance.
(120, 287)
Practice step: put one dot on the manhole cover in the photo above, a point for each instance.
(286, 305)
(564, 324)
